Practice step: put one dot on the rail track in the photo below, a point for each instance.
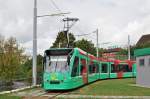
(42, 94)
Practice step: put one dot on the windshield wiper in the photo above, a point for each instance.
(56, 64)
(69, 57)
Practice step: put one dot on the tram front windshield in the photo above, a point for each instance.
(56, 64)
(56, 61)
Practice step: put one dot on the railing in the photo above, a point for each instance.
(119, 57)
(124, 57)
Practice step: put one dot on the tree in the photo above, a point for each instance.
(101, 51)
(86, 45)
(123, 51)
(61, 40)
(11, 57)
(27, 66)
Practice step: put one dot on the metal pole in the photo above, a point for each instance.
(97, 43)
(129, 47)
(34, 44)
(59, 45)
(68, 33)
(34, 62)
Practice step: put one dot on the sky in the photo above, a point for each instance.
(115, 19)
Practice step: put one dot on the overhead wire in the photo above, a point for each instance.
(56, 8)
(79, 35)
(82, 32)
(85, 35)
(55, 5)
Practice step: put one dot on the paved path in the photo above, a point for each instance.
(39, 94)
(85, 97)
(97, 97)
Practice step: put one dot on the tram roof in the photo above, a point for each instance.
(67, 49)
(92, 56)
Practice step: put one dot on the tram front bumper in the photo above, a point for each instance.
(57, 85)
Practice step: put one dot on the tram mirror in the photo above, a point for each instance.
(44, 59)
(68, 59)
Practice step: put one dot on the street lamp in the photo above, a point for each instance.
(34, 62)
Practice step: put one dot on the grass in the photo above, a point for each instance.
(110, 87)
(9, 97)
(117, 87)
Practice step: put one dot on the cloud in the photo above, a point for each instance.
(115, 19)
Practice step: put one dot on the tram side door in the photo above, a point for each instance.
(83, 71)
(119, 71)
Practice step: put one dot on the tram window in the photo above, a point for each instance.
(124, 68)
(97, 68)
(104, 68)
(94, 68)
(127, 68)
(75, 69)
(81, 69)
(141, 62)
(113, 68)
(91, 68)
(121, 67)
